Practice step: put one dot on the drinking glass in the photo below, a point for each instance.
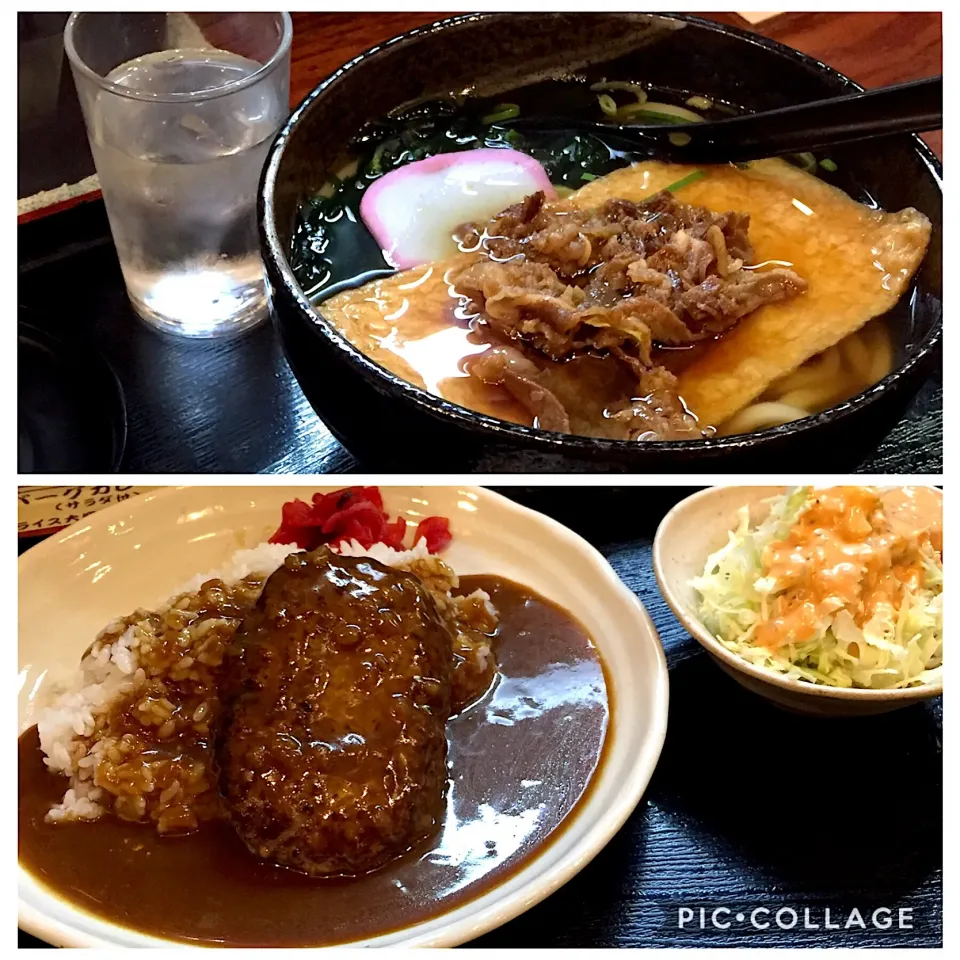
(181, 109)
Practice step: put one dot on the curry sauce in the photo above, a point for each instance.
(520, 763)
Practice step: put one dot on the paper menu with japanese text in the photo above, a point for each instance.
(44, 510)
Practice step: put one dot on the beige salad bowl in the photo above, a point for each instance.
(687, 535)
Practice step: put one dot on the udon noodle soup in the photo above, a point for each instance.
(613, 295)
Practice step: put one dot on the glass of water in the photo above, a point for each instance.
(181, 109)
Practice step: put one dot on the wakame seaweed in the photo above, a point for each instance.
(327, 222)
(330, 247)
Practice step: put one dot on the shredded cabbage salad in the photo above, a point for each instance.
(895, 648)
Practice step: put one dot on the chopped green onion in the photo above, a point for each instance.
(679, 139)
(639, 113)
(607, 104)
(501, 112)
(635, 88)
(588, 176)
(563, 191)
(807, 161)
(699, 103)
(653, 117)
(668, 109)
(630, 110)
(513, 137)
(686, 181)
(828, 165)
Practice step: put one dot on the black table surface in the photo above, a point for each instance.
(235, 407)
(749, 807)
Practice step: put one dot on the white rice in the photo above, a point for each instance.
(386, 555)
(263, 558)
(112, 671)
(267, 557)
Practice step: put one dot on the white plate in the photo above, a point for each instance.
(139, 552)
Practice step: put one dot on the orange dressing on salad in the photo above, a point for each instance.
(853, 548)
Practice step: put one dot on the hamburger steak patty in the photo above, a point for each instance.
(336, 692)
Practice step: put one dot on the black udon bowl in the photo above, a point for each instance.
(389, 424)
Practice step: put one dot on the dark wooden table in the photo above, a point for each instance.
(235, 407)
(748, 807)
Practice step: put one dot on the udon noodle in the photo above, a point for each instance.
(857, 362)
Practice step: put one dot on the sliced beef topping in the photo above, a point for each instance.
(578, 396)
(714, 302)
(623, 275)
(658, 412)
(506, 366)
(614, 281)
(525, 300)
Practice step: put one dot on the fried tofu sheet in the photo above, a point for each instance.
(857, 262)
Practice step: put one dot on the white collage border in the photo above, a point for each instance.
(951, 29)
